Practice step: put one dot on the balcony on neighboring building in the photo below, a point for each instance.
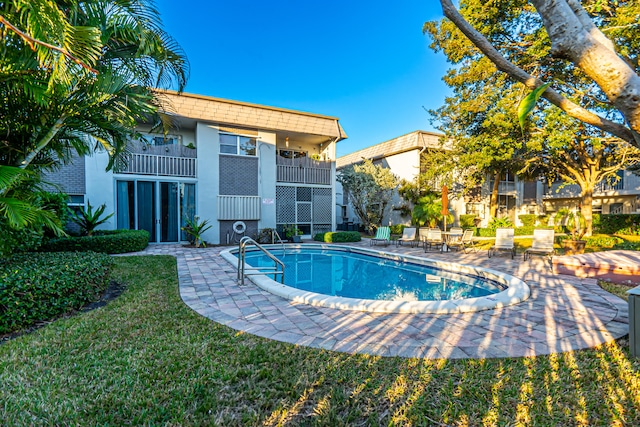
(159, 160)
(303, 170)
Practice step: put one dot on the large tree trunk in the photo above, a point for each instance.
(583, 47)
(575, 37)
(493, 201)
(586, 208)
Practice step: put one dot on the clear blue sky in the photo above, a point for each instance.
(366, 63)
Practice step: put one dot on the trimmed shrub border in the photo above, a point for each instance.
(338, 237)
(105, 241)
(36, 287)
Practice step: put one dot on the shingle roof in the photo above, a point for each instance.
(224, 111)
(415, 140)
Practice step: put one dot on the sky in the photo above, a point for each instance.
(366, 63)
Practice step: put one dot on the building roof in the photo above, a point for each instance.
(229, 112)
(415, 140)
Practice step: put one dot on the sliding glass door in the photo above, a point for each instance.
(158, 207)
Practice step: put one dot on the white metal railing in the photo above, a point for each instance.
(242, 250)
(152, 164)
(304, 175)
(239, 207)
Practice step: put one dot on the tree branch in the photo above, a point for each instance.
(504, 65)
(33, 41)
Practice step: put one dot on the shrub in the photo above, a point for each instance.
(105, 241)
(628, 224)
(338, 237)
(485, 232)
(56, 202)
(629, 246)
(528, 220)
(523, 231)
(397, 228)
(467, 221)
(88, 220)
(36, 287)
(602, 241)
(499, 223)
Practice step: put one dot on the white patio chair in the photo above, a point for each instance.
(433, 238)
(504, 242)
(542, 244)
(464, 242)
(408, 236)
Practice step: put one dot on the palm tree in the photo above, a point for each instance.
(88, 79)
(20, 210)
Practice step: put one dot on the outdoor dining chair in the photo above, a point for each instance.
(542, 244)
(383, 236)
(504, 242)
(408, 236)
(464, 242)
(433, 238)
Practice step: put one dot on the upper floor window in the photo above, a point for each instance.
(156, 139)
(237, 144)
(292, 154)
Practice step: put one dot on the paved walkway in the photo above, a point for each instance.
(563, 313)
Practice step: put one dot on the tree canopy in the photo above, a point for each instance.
(550, 40)
(80, 74)
(370, 188)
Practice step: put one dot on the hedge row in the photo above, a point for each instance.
(105, 241)
(338, 237)
(627, 224)
(40, 286)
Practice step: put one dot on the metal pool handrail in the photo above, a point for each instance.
(242, 249)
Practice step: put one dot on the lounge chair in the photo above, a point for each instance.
(464, 242)
(383, 236)
(408, 235)
(504, 242)
(433, 238)
(542, 244)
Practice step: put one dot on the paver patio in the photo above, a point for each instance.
(563, 313)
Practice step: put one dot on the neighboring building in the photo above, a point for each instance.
(227, 161)
(402, 155)
(515, 197)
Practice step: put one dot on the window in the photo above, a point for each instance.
(157, 139)
(237, 144)
(76, 203)
(292, 154)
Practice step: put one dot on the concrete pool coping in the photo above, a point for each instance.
(564, 313)
(516, 290)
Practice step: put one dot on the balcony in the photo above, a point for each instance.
(152, 164)
(303, 170)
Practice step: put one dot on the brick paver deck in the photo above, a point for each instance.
(563, 313)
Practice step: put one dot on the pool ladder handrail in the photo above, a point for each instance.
(242, 249)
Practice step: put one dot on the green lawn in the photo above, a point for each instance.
(147, 359)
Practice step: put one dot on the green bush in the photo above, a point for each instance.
(338, 237)
(485, 232)
(629, 246)
(500, 223)
(467, 221)
(35, 287)
(528, 220)
(523, 231)
(106, 241)
(397, 228)
(602, 241)
(628, 224)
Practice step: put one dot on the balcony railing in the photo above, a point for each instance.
(151, 164)
(303, 170)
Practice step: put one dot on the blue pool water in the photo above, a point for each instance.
(353, 275)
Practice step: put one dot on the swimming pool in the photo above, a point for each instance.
(362, 279)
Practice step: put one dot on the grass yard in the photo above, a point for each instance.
(147, 359)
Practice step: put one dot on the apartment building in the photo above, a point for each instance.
(241, 166)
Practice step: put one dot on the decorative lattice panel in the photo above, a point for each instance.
(321, 228)
(304, 194)
(285, 205)
(304, 212)
(322, 206)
